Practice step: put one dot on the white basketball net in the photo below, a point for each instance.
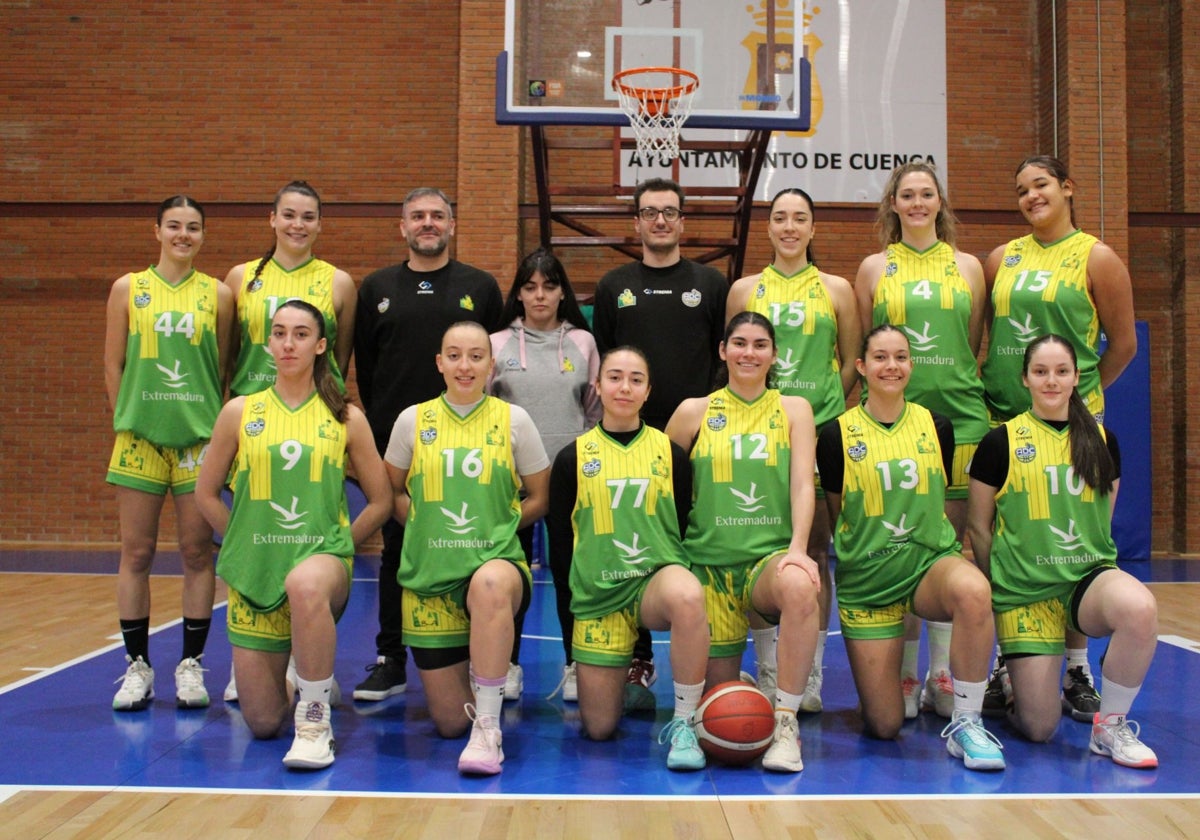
(657, 113)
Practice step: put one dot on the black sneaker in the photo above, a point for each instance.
(998, 696)
(1079, 697)
(385, 678)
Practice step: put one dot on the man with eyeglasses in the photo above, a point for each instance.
(673, 309)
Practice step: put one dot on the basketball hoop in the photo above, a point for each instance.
(656, 112)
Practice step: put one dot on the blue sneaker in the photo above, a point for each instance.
(685, 751)
(967, 739)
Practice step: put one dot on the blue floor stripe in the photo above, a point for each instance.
(61, 727)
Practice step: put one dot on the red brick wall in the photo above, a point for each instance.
(110, 103)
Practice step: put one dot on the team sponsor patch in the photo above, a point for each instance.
(428, 436)
(255, 427)
(691, 298)
(857, 451)
(328, 430)
(141, 300)
(717, 422)
(1012, 260)
(626, 298)
(591, 468)
(1025, 452)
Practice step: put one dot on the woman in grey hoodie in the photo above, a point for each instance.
(546, 362)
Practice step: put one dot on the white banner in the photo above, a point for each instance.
(878, 100)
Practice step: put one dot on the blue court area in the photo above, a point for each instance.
(60, 731)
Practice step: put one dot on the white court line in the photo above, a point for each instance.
(1181, 642)
(6, 791)
(42, 673)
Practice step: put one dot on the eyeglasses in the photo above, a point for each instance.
(669, 214)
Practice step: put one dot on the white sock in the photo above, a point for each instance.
(317, 691)
(1117, 699)
(1077, 658)
(819, 654)
(764, 646)
(939, 645)
(687, 698)
(489, 697)
(788, 702)
(968, 697)
(908, 665)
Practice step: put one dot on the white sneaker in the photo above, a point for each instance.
(911, 687)
(966, 738)
(938, 694)
(763, 682)
(514, 682)
(190, 692)
(767, 680)
(484, 753)
(783, 755)
(137, 687)
(231, 695)
(313, 746)
(568, 685)
(1117, 738)
(811, 699)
